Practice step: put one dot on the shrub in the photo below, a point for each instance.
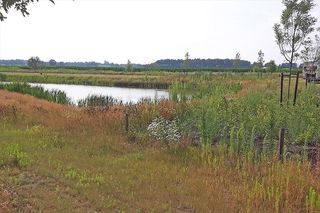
(98, 101)
(164, 130)
(3, 77)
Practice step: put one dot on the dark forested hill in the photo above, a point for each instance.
(200, 63)
(165, 63)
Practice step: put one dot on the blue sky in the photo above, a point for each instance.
(142, 30)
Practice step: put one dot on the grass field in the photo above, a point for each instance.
(83, 160)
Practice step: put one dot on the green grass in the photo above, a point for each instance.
(37, 91)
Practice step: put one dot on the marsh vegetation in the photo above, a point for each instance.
(197, 152)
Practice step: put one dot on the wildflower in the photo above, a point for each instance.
(164, 130)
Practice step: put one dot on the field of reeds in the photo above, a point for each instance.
(211, 148)
(145, 78)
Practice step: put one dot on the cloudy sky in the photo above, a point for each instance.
(142, 30)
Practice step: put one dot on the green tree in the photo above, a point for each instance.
(186, 61)
(35, 63)
(19, 5)
(271, 66)
(295, 25)
(129, 67)
(236, 61)
(260, 61)
(52, 63)
(310, 54)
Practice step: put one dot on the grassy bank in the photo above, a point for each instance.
(108, 79)
(37, 91)
(176, 156)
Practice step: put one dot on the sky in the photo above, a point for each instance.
(143, 31)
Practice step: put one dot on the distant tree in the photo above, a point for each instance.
(260, 61)
(129, 67)
(310, 54)
(19, 5)
(186, 62)
(52, 63)
(295, 25)
(271, 66)
(237, 60)
(34, 62)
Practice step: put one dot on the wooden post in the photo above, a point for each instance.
(306, 82)
(127, 122)
(281, 144)
(258, 143)
(313, 156)
(296, 90)
(14, 112)
(281, 89)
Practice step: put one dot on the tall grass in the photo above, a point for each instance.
(98, 101)
(258, 114)
(37, 91)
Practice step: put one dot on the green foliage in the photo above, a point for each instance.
(295, 25)
(311, 51)
(3, 77)
(260, 59)
(237, 61)
(12, 155)
(35, 63)
(313, 200)
(83, 178)
(271, 66)
(98, 101)
(217, 117)
(37, 91)
(19, 5)
(129, 67)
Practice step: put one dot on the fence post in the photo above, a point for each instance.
(14, 112)
(281, 88)
(281, 144)
(313, 156)
(306, 82)
(296, 90)
(126, 122)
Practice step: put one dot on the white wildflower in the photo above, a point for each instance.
(163, 129)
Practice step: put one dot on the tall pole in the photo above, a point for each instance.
(281, 88)
(296, 90)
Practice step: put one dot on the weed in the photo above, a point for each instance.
(13, 155)
(313, 200)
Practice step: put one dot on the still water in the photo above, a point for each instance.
(126, 95)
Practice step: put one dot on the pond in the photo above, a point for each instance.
(126, 95)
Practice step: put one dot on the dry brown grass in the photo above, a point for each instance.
(95, 167)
